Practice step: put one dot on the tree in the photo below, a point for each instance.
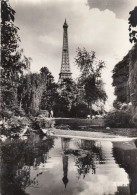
(37, 91)
(49, 97)
(12, 61)
(90, 78)
(120, 80)
(79, 109)
(132, 25)
(68, 92)
(125, 72)
(133, 81)
(46, 75)
(30, 92)
(50, 90)
(133, 62)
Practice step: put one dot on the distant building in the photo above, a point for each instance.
(65, 66)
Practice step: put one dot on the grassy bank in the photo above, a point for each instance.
(96, 134)
(92, 125)
(78, 123)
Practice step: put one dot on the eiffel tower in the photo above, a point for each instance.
(65, 67)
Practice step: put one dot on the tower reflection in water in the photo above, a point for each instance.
(65, 147)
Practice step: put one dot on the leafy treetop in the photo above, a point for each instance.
(132, 25)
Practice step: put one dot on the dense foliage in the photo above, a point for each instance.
(119, 118)
(125, 81)
(14, 126)
(79, 110)
(90, 79)
(67, 97)
(133, 63)
(132, 25)
(120, 80)
(133, 81)
(36, 91)
(13, 62)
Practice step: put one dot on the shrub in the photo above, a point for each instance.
(14, 125)
(80, 110)
(14, 111)
(119, 118)
(42, 122)
(7, 114)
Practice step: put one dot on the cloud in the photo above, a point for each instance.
(42, 34)
(120, 7)
(49, 40)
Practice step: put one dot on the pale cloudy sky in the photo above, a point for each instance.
(97, 25)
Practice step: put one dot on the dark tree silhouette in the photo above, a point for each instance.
(17, 158)
(132, 25)
(120, 81)
(90, 78)
(12, 60)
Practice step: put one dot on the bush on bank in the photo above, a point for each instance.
(43, 123)
(14, 125)
(119, 118)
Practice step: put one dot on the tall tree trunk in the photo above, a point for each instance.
(20, 104)
(90, 109)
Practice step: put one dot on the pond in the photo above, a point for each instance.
(68, 166)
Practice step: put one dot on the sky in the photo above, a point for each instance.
(97, 25)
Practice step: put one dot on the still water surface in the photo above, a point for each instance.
(69, 166)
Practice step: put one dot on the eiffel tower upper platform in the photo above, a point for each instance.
(65, 67)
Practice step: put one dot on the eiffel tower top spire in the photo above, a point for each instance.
(65, 67)
(65, 25)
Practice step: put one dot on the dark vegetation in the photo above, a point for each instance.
(90, 79)
(133, 24)
(119, 118)
(125, 83)
(120, 81)
(17, 158)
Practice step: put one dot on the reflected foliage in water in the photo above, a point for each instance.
(92, 157)
(17, 158)
(88, 154)
(126, 156)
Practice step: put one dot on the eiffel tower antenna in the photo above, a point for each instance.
(65, 67)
